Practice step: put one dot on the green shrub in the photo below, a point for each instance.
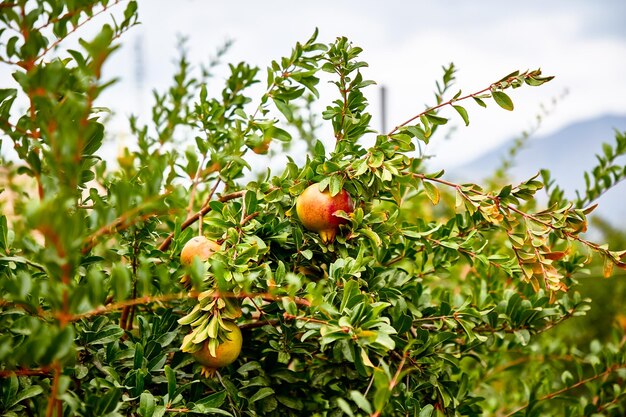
(427, 299)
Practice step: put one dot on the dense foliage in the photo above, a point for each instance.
(427, 299)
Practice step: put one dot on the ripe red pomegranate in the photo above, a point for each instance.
(316, 210)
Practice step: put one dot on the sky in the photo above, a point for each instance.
(582, 43)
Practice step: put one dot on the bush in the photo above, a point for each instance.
(421, 302)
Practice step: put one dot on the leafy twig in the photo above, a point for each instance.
(506, 81)
(121, 222)
(193, 218)
(551, 395)
(394, 381)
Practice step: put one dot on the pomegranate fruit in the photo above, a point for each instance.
(198, 246)
(227, 351)
(316, 210)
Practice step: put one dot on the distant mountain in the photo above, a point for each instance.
(566, 153)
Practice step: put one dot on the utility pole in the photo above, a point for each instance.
(383, 109)
(139, 72)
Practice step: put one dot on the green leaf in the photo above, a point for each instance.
(95, 134)
(463, 113)
(131, 9)
(106, 335)
(505, 192)
(109, 401)
(291, 402)
(318, 149)
(208, 411)
(61, 344)
(436, 120)
(284, 108)
(260, 394)
(4, 232)
(480, 102)
(427, 411)
(381, 382)
(278, 133)
(373, 236)
(138, 360)
(21, 260)
(214, 400)
(506, 77)
(361, 401)
(29, 392)
(335, 186)
(351, 290)
(171, 382)
(120, 281)
(147, 404)
(376, 159)
(8, 392)
(7, 93)
(431, 191)
(523, 336)
(345, 407)
(251, 202)
(503, 100)
(567, 377)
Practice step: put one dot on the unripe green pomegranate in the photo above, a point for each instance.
(316, 210)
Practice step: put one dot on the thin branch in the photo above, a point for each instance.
(264, 296)
(428, 110)
(454, 100)
(109, 308)
(615, 400)
(122, 304)
(52, 398)
(248, 218)
(434, 318)
(570, 235)
(32, 135)
(39, 312)
(343, 90)
(19, 259)
(71, 31)
(194, 185)
(470, 253)
(483, 328)
(258, 323)
(193, 218)
(558, 321)
(230, 400)
(287, 316)
(394, 381)
(551, 395)
(63, 17)
(128, 313)
(212, 192)
(528, 358)
(43, 371)
(120, 223)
